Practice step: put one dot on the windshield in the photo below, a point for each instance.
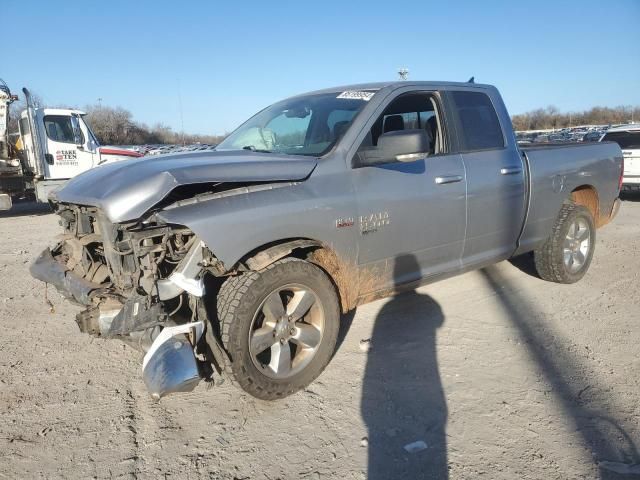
(308, 125)
(92, 137)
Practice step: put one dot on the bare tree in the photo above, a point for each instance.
(115, 126)
(551, 117)
(111, 125)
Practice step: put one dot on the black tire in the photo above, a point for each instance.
(549, 257)
(238, 302)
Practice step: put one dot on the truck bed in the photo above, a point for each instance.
(558, 169)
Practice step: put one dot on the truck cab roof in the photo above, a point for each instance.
(392, 85)
(57, 111)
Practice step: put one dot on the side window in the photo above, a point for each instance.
(59, 128)
(410, 119)
(478, 124)
(425, 117)
(416, 114)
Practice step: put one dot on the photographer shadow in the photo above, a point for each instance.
(403, 399)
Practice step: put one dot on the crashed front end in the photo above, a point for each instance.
(141, 282)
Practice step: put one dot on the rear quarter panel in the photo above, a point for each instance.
(557, 171)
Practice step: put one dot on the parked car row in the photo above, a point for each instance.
(161, 149)
(592, 133)
(626, 136)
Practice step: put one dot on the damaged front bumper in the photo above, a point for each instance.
(175, 358)
(70, 285)
(112, 317)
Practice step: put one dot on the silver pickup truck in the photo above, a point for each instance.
(238, 263)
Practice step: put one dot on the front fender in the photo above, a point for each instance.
(233, 226)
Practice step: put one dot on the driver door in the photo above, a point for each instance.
(66, 154)
(413, 207)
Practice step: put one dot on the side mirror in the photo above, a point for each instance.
(403, 145)
(77, 134)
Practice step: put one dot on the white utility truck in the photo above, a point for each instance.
(628, 137)
(57, 144)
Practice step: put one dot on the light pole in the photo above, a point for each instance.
(180, 107)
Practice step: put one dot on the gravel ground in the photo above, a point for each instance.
(501, 375)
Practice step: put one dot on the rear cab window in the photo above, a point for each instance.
(476, 121)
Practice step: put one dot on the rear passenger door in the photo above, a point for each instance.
(496, 199)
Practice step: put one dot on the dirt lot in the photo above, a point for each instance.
(502, 375)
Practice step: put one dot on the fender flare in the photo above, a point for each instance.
(267, 256)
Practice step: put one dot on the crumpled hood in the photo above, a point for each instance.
(126, 190)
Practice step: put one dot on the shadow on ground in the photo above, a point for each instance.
(590, 406)
(346, 320)
(402, 397)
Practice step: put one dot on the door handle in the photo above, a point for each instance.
(448, 179)
(510, 170)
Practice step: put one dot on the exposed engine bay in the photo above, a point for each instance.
(141, 282)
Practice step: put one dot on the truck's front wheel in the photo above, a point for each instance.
(566, 255)
(279, 327)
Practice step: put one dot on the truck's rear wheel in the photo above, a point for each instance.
(566, 255)
(279, 326)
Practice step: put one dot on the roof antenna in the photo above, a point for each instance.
(471, 80)
(403, 73)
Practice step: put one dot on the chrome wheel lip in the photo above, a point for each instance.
(285, 336)
(577, 245)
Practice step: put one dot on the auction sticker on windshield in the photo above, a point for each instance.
(356, 95)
